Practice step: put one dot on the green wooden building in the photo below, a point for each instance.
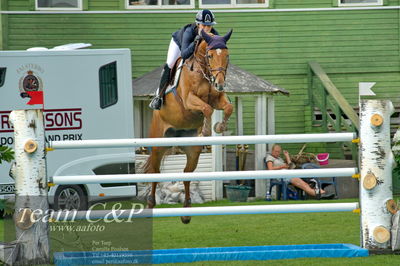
(352, 41)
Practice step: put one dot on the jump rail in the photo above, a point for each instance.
(203, 176)
(193, 141)
(202, 211)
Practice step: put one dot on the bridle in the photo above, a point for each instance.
(205, 68)
(219, 69)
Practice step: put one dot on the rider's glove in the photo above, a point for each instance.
(198, 38)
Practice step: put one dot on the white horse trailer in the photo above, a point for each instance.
(87, 95)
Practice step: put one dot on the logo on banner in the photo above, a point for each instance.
(31, 86)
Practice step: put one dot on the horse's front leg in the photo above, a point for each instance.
(193, 102)
(224, 104)
(206, 129)
(192, 156)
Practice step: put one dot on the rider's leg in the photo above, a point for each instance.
(173, 54)
(157, 101)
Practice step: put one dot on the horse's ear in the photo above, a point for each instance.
(205, 36)
(228, 35)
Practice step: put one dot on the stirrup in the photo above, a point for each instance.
(156, 103)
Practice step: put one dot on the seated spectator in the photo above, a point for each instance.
(275, 162)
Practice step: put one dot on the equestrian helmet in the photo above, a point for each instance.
(205, 17)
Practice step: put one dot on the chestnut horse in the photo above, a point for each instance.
(187, 112)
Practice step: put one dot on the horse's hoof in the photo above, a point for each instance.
(186, 219)
(219, 128)
(186, 204)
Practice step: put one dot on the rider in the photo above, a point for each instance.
(182, 44)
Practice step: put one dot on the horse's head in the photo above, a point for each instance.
(217, 58)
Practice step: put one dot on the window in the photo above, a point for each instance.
(160, 4)
(108, 85)
(58, 4)
(232, 3)
(360, 2)
(2, 76)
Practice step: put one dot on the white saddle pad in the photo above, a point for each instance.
(176, 80)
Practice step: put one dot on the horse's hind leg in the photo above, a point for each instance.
(192, 156)
(154, 162)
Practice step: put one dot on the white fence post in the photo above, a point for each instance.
(217, 158)
(261, 148)
(376, 164)
(29, 172)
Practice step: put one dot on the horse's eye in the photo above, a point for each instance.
(209, 56)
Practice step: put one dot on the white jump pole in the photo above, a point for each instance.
(376, 164)
(193, 141)
(202, 211)
(203, 176)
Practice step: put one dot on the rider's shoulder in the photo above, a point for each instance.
(190, 27)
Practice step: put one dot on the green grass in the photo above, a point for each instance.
(264, 229)
(252, 230)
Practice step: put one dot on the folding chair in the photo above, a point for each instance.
(285, 191)
(321, 183)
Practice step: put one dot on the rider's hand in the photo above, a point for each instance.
(286, 153)
(198, 38)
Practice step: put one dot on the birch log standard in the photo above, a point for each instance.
(31, 203)
(376, 164)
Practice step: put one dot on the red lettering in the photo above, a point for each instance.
(4, 122)
(59, 119)
(78, 119)
(54, 119)
(49, 120)
(63, 119)
(68, 119)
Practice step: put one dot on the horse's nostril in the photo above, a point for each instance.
(220, 87)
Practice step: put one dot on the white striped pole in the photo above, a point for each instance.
(202, 211)
(203, 176)
(193, 141)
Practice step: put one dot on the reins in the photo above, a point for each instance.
(205, 68)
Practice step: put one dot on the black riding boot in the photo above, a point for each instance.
(157, 101)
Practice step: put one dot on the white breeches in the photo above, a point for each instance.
(173, 53)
